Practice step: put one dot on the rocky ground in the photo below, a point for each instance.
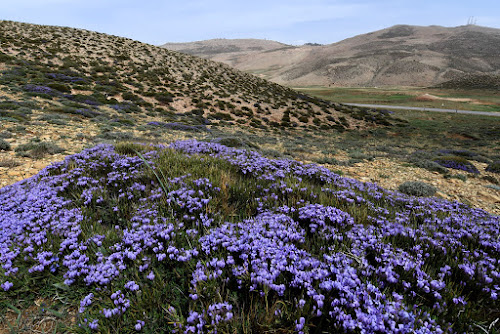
(390, 174)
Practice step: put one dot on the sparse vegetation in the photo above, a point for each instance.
(494, 167)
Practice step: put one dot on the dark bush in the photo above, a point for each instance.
(164, 98)
(231, 142)
(116, 136)
(222, 116)
(417, 188)
(59, 87)
(429, 165)
(327, 160)
(494, 167)
(358, 155)
(490, 179)
(4, 146)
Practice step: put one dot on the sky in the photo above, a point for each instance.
(288, 21)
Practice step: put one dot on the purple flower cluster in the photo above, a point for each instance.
(39, 89)
(320, 251)
(453, 164)
(120, 107)
(87, 113)
(64, 77)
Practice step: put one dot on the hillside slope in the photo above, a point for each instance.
(70, 70)
(63, 89)
(399, 55)
(226, 50)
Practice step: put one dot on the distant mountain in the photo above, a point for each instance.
(399, 55)
(229, 47)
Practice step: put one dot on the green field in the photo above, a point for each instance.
(479, 100)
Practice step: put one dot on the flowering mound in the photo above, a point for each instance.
(456, 162)
(199, 238)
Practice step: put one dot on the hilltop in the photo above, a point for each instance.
(226, 49)
(401, 55)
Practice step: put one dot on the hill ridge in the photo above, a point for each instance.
(404, 55)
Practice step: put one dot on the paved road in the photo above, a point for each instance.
(380, 106)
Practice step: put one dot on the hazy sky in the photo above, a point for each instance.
(288, 21)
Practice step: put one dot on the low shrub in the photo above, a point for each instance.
(38, 149)
(179, 126)
(358, 155)
(490, 179)
(462, 177)
(116, 136)
(417, 188)
(429, 165)
(59, 87)
(4, 146)
(327, 160)
(5, 134)
(494, 167)
(231, 142)
(9, 163)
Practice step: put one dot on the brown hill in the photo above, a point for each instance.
(399, 55)
(69, 70)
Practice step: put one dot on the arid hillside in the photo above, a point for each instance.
(399, 55)
(65, 71)
(226, 49)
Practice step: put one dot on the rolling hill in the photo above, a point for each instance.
(400, 55)
(65, 71)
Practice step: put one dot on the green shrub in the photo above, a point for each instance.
(164, 98)
(417, 188)
(231, 142)
(358, 155)
(222, 116)
(490, 179)
(494, 167)
(4, 146)
(128, 148)
(38, 149)
(60, 87)
(462, 177)
(327, 160)
(117, 136)
(5, 134)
